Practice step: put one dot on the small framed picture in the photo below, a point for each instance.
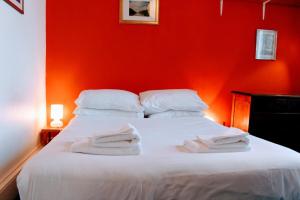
(266, 44)
(139, 11)
(16, 4)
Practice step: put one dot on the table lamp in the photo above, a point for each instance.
(57, 112)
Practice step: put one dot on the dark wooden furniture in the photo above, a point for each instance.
(272, 117)
(48, 134)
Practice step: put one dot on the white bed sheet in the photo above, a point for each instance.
(163, 171)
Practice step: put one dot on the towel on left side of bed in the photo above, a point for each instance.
(85, 146)
(125, 141)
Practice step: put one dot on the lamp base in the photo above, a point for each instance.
(56, 124)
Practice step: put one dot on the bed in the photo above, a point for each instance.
(163, 171)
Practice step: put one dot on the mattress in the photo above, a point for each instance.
(164, 170)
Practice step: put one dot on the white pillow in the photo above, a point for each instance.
(107, 113)
(109, 100)
(176, 114)
(156, 101)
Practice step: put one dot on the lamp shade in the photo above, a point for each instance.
(57, 111)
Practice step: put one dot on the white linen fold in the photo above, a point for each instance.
(126, 133)
(231, 135)
(194, 146)
(125, 141)
(85, 146)
(231, 140)
(120, 144)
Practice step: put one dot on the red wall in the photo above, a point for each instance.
(193, 47)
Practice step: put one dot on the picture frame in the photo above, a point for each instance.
(16, 4)
(139, 12)
(266, 44)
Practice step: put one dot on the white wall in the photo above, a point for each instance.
(22, 81)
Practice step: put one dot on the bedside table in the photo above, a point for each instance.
(48, 134)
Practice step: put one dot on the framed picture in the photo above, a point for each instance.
(139, 11)
(266, 44)
(16, 4)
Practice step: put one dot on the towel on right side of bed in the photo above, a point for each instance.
(232, 140)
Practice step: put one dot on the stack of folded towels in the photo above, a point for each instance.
(125, 141)
(232, 140)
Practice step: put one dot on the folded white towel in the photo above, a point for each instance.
(231, 135)
(120, 144)
(85, 146)
(194, 146)
(241, 144)
(236, 144)
(126, 133)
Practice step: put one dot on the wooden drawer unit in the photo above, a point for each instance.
(276, 104)
(272, 117)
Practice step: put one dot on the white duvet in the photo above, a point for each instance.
(163, 171)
